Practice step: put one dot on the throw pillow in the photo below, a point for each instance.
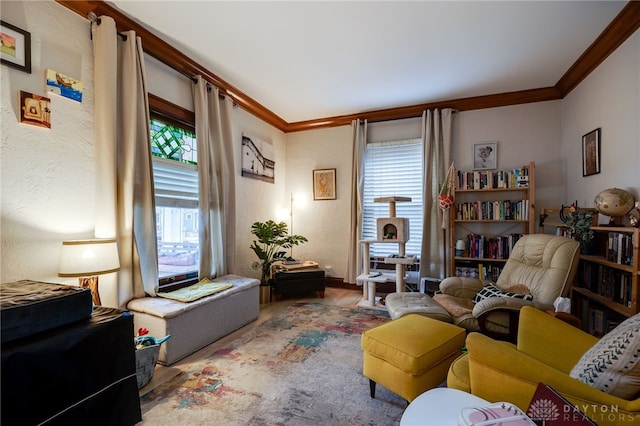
(490, 290)
(613, 364)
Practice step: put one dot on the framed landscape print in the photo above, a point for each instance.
(324, 184)
(15, 47)
(591, 153)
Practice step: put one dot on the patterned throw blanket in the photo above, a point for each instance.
(205, 287)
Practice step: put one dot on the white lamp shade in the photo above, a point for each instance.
(81, 258)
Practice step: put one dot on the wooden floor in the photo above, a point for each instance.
(332, 296)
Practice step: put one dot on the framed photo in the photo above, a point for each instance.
(485, 155)
(324, 184)
(15, 47)
(591, 153)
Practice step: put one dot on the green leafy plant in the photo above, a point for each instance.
(272, 241)
(579, 222)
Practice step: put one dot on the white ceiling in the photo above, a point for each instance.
(307, 60)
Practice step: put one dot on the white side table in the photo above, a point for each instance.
(439, 407)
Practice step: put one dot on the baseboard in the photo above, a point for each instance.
(339, 283)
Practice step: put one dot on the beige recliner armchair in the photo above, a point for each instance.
(540, 269)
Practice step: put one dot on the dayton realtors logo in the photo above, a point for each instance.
(546, 412)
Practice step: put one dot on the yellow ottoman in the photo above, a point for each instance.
(410, 355)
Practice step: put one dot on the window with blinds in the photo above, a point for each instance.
(175, 175)
(393, 168)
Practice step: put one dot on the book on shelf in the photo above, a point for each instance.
(619, 248)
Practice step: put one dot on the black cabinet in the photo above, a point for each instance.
(82, 373)
(298, 281)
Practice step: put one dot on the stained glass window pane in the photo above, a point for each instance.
(173, 143)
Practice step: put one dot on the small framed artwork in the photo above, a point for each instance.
(63, 85)
(591, 153)
(15, 47)
(35, 110)
(485, 155)
(324, 184)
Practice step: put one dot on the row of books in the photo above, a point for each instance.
(498, 247)
(490, 179)
(596, 321)
(619, 248)
(611, 283)
(487, 272)
(563, 231)
(493, 210)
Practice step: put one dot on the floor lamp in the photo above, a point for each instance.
(291, 220)
(86, 259)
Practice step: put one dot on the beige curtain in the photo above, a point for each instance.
(216, 180)
(123, 159)
(359, 142)
(436, 141)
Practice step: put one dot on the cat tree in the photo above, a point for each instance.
(390, 229)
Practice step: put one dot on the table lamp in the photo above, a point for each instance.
(87, 259)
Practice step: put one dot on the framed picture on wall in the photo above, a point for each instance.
(324, 184)
(15, 47)
(591, 153)
(485, 155)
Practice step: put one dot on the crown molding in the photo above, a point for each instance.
(617, 32)
(621, 28)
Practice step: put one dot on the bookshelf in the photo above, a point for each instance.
(606, 287)
(606, 291)
(492, 209)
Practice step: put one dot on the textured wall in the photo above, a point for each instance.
(609, 98)
(46, 174)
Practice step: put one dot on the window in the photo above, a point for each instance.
(393, 169)
(175, 174)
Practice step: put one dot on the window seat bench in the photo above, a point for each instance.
(197, 324)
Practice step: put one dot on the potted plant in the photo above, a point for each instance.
(272, 241)
(579, 222)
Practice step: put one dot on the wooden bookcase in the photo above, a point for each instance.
(491, 210)
(605, 291)
(606, 288)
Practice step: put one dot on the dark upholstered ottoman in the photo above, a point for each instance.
(298, 281)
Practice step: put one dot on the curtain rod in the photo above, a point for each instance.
(93, 18)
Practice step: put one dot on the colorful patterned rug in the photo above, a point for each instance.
(301, 367)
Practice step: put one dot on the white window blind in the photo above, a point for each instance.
(393, 169)
(176, 184)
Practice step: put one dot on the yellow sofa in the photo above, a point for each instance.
(546, 351)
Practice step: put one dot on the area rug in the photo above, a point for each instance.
(301, 367)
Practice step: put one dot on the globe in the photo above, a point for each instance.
(614, 202)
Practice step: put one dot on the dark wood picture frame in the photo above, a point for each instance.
(324, 184)
(16, 47)
(591, 153)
